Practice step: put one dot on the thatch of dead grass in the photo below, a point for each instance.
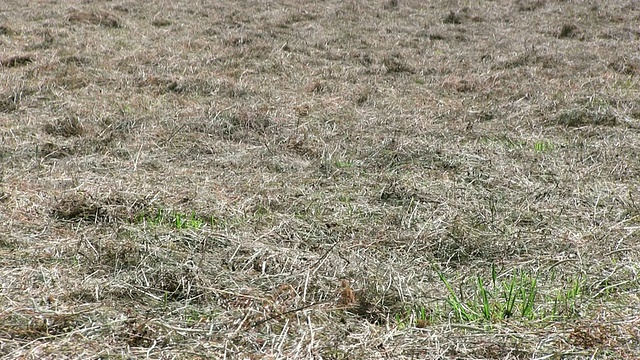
(302, 179)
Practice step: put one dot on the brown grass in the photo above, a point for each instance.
(95, 17)
(290, 179)
(14, 61)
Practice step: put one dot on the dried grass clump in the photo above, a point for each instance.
(6, 30)
(65, 127)
(586, 117)
(568, 31)
(87, 207)
(78, 207)
(625, 66)
(395, 64)
(160, 22)
(15, 61)
(530, 5)
(391, 4)
(96, 17)
(243, 124)
(9, 103)
(453, 17)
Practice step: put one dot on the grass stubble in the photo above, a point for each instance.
(336, 179)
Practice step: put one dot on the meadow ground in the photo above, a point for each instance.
(319, 179)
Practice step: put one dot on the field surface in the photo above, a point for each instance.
(338, 179)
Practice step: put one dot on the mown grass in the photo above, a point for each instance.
(300, 179)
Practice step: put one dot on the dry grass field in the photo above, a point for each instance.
(337, 179)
